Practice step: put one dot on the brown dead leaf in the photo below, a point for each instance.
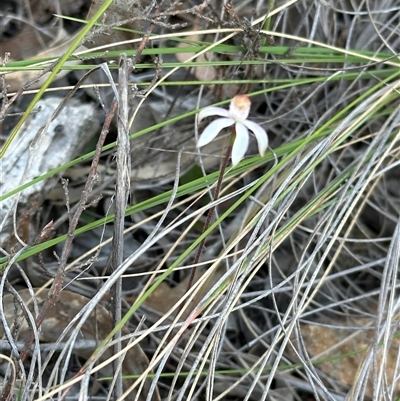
(97, 327)
(201, 73)
(36, 38)
(164, 297)
(325, 342)
(118, 12)
(55, 49)
(206, 73)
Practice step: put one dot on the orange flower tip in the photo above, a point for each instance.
(241, 102)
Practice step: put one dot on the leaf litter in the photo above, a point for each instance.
(292, 292)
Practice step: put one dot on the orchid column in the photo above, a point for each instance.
(235, 117)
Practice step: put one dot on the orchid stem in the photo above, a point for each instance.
(210, 215)
(211, 211)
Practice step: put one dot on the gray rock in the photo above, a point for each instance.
(42, 145)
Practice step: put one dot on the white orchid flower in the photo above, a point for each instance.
(237, 114)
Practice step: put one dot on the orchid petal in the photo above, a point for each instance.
(212, 130)
(260, 134)
(212, 111)
(240, 144)
(239, 108)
